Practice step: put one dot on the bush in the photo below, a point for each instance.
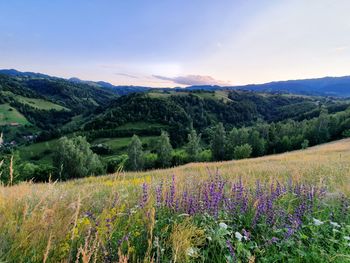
(242, 151)
(346, 133)
(150, 160)
(179, 157)
(37, 173)
(205, 156)
(117, 163)
(305, 144)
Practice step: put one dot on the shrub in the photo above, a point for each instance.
(179, 157)
(242, 151)
(305, 144)
(150, 160)
(205, 156)
(117, 163)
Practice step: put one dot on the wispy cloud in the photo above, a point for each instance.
(127, 75)
(191, 80)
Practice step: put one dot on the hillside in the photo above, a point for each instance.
(180, 109)
(326, 87)
(45, 103)
(108, 214)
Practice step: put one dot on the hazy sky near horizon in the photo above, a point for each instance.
(177, 42)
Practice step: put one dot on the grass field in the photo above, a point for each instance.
(35, 103)
(42, 151)
(127, 217)
(40, 104)
(10, 115)
(119, 145)
(218, 95)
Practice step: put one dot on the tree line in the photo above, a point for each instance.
(75, 158)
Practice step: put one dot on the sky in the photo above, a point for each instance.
(168, 43)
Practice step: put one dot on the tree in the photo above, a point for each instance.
(305, 144)
(74, 159)
(218, 143)
(322, 126)
(285, 144)
(164, 150)
(242, 151)
(135, 154)
(193, 146)
(232, 142)
(257, 143)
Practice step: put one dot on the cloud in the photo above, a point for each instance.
(192, 80)
(127, 75)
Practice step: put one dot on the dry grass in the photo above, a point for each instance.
(37, 221)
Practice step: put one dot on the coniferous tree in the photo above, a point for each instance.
(257, 143)
(164, 150)
(135, 154)
(322, 126)
(218, 143)
(232, 142)
(193, 146)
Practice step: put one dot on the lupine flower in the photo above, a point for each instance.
(230, 248)
(274, 240)
(144, 195)
(246, 234)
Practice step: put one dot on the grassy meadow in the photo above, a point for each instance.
(291, 207)
(10, 115)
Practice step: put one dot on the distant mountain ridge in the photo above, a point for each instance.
(326, 86)
(16, 73)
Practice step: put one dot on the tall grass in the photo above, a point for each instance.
(117, 218)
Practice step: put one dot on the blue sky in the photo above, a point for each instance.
(178, 42)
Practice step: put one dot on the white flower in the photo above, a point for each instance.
(223, 225)
(317, 222)
(335, 224)
(191, 252)
(238, 236)
(347, 238)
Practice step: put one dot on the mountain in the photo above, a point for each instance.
(327, 86)
(16, 73)
(119, 90)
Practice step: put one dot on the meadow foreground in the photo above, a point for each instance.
(290, 207)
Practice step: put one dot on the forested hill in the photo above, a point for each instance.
(45, 103)
(179, 110)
